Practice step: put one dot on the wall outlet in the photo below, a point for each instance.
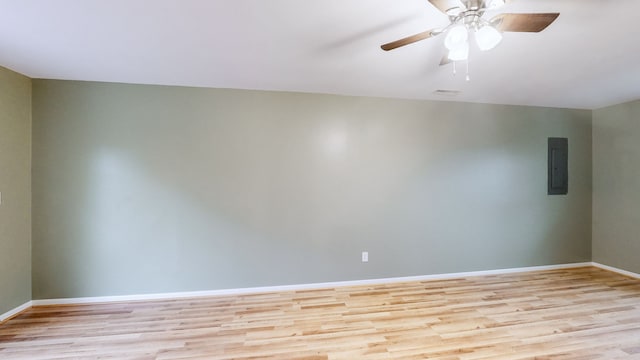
(365, 256)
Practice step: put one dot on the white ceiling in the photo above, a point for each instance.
(588, 58)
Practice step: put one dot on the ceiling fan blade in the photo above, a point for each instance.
(445, 59)
(524, 22)
(408, 40)
(446, 6)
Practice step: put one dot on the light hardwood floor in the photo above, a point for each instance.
(583, 313)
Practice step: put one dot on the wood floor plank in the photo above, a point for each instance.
(573, 314)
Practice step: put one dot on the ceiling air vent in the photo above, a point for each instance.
(447, 92)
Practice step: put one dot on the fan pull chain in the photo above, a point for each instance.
(468, 78)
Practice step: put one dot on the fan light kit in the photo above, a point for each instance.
(466, 21)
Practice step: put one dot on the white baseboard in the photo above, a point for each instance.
(253, 290)
(13, 312)
(616, 270)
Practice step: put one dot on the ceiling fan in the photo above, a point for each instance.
(466, 20)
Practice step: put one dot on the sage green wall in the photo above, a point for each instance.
(15, 186)
(144, 189)
(616, 186)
